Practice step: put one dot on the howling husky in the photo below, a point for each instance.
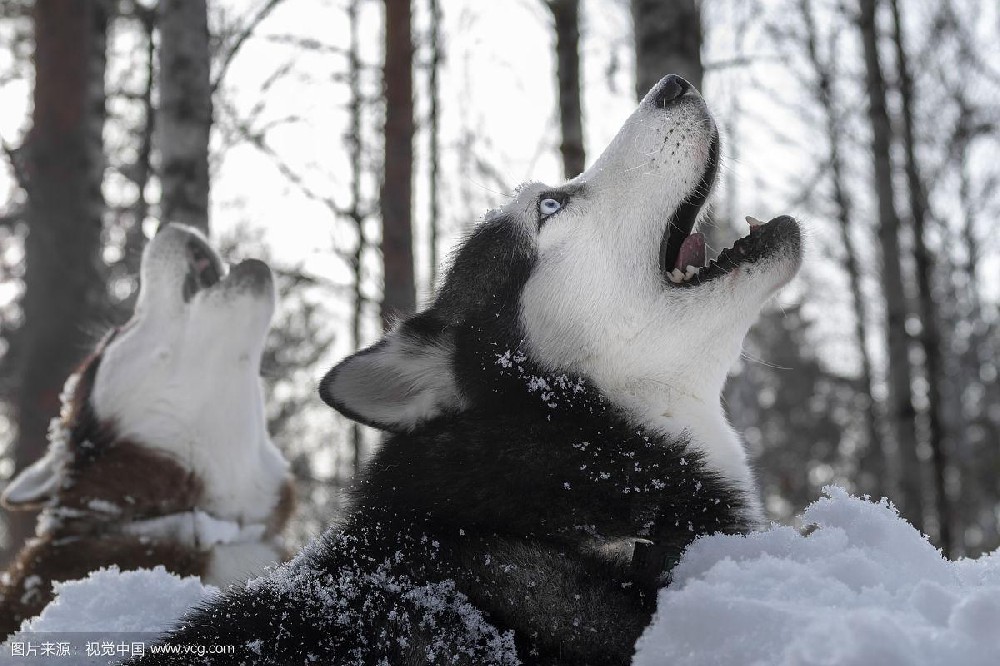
(160, 455)
(558, 403)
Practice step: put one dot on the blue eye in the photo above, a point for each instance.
(549, 206)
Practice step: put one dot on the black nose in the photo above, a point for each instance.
(670, 89)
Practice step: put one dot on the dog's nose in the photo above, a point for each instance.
(670, 89)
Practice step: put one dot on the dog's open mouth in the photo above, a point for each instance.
(679, 246)
(204, 268)
(683, 256)
(690, 268)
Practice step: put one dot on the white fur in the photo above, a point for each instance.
(183, 378)
(597, 304)
(195, 528)
(237, 550)
(238, 561)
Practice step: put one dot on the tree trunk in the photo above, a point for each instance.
(567, 28)
(185, 114)
(357, 216)
(965, 134)
(668, 40)
(64, 275)
(399, 293)
(434, 157)
(930, 336)
(872, 467)
(977, 444)
(901, 410)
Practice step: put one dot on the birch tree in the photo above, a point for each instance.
(185, 112)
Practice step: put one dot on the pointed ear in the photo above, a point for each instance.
(35, 485)
(401, 381)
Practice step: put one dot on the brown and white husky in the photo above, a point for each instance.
(160, 455)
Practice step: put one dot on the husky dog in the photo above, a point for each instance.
(160, 455)
(558, 402)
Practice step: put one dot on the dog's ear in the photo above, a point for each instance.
(404, 379)
(37, 484)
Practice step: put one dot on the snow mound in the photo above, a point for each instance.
(108, 606)
(145, 600)
(864, 588)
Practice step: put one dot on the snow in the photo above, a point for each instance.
(864, 588)
(145, 600)
(108, 604)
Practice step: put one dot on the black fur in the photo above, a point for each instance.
(526, 501)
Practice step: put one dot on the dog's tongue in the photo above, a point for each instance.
(692, 252)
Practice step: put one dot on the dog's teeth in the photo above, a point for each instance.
(690, 271)
(675, 276)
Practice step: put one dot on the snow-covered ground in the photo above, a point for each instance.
(863, 588)
(104, 618)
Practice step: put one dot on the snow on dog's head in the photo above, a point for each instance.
(602, 278)
(179, 381)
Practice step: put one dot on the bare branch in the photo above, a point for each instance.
(16, 161)
(256, 139)
(241, 38)
(306, 44)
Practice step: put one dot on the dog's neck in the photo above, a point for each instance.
(702, 420)
(659, 403)
(193, 528)
(693, 413)
(198, 529)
